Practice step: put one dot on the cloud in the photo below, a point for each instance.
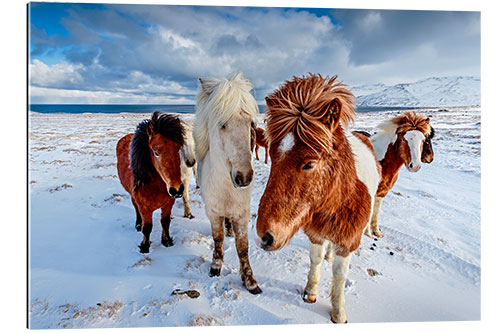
(145, 50)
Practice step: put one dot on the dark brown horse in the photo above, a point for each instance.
(402, 140)
(260, 141)
(149, 169)
(323, 178)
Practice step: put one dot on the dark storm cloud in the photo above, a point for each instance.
(380, 35)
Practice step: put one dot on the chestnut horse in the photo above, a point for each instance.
(149, 169)
(402, 140)
(224, 133)
(323, 178)
(260, 141)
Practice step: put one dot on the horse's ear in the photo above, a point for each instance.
(428, 120)
(334, 111)
(207, 85)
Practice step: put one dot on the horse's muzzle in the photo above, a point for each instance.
(242, 181)
(176, 193)
(267, 241)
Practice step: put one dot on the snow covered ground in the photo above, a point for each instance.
(86, 270)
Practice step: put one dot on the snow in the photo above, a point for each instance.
(85, 270)
(430, 92)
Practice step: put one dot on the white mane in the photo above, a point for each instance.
(385, 136)
(216, 102)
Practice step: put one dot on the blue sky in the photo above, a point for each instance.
(109, 53)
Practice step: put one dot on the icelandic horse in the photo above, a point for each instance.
(149, 170)
(401, 140)
(224, 135)
(323, 178)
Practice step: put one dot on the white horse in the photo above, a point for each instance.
(224, 135)
(188, 166)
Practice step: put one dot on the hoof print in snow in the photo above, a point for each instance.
(391, 253)
(255, 291)
(214, 272)
(372, 272)
(372, 248)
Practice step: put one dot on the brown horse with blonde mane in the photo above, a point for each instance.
(260, 141)
(402, 140)
(149, 169)
(323, 178)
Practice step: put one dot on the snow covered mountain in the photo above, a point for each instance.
(430, 92)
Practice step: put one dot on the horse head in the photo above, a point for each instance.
(155, 151)
(303, 131)
(411, 134)
(226, 124)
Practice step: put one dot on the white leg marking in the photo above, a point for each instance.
(340, 268)
(374, 220)
(316, 254)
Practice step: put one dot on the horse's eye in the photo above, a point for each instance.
(156, 153)
(309, 165)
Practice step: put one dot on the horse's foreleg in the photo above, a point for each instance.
(267, 153)
(166, 240)
(374, 221)
(185, 197)
(138, 218)
(147, 227)
(240, 228)
(195, 173)
(228, 227)
(217, 224)
(329, 252)
(257, 152)
(316, 254)
(340, 269)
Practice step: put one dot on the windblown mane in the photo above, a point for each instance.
(309, 107)
(408, 121)
(140, 157)
(217, 101)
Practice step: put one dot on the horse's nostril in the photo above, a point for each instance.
(238, 179)
(411, 165)
(267, 240)
(176, 193)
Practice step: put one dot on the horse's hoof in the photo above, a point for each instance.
(329, 259)
(339, 318)
(143, 248)
(378, 234)
(168, 242)
(214, 272)
(255, 291)
(189, 216)
(309, 298)
(138, 227)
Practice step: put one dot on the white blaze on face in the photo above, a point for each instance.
(287, 143)
(415, 140)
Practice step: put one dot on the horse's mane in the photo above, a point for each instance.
(140, 157)
(410, 120)
(310, 107)
(216, 102)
